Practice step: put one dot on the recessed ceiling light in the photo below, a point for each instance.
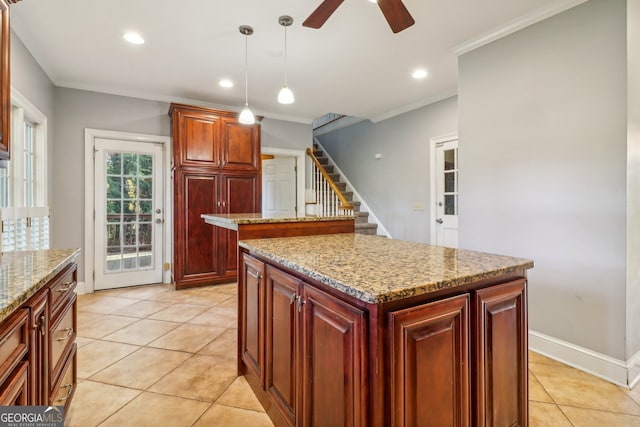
(133, 38)
(373, 1)
(419, 74)
(226, 83)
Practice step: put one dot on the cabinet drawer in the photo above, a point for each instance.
(14, 341)
(62, 335)
(65, 387)
(15, 390)
(62, 287)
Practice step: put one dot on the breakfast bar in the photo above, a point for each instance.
(347, 329)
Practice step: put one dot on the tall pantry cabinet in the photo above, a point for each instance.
(216, 170)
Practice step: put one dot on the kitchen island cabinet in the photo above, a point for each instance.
(359, 330)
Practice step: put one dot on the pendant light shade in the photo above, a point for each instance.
(285, 96)
(246, 116)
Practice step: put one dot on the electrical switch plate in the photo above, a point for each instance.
(418, 206)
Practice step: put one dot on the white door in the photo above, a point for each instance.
(128, 213)
(279, 187)
(447, 194)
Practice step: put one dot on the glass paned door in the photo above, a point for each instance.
(129, 216)
(447, 194)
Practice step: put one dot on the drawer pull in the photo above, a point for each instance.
(67, 286)
(256, 275)
(69, 388)
(69, 333)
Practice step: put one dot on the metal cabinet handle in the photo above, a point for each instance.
(42, 325)
(67, 286)
(69, 333)
(257, 275)
(301, 302)
(69, 388)
(292, 298)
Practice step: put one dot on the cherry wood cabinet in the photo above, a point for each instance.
(430, 357)
(456, 357)
(501, 356)
(37, 345)
(216, 171)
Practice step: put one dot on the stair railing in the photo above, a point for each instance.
(329, 200)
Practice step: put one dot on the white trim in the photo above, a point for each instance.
(363, 205)
(80, 290)
(516, 25)
(606, 367)
(433, 142)
(300, 174)
(89, 192)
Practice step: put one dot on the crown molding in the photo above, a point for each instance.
(516, 25)
(415, 105)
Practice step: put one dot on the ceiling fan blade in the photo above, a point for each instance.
(396, 14)
(322, 13)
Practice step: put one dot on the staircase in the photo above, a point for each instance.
(363, 226)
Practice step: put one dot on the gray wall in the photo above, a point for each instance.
(29, 79)
(283, 134)
(75, 111)
(633, 178)
(391, 185)
(543, 159)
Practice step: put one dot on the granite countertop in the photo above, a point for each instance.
(376, 269)
(232, 220)
(22, 274)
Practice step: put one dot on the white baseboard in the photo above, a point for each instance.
(625, 374)
(80, 289)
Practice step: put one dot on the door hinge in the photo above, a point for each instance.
(295, 168)
(93, 275)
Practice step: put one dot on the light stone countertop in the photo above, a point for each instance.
(231, 221)
(376, 269)
(22, 274)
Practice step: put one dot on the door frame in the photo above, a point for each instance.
(300, 156)
(433, 142)
(89, 193)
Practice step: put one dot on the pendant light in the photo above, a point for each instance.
(246, 116)
(285, 96)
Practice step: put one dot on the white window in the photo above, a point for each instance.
(24, 206)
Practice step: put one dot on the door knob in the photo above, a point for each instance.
(439, 220)
(158, 221)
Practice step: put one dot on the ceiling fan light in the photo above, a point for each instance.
(285, 96)
(246, 116)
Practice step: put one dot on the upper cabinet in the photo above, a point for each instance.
(5, 80)
(213, 139)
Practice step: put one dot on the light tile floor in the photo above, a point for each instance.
(150, 356)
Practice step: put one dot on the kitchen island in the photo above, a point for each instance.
(236, 227)
(38, 327)
(361, 330)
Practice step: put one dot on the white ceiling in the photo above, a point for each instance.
(353, 65)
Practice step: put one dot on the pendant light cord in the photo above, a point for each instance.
(246, 72)
(285, 55)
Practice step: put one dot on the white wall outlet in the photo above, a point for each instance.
(418, 206)
(377, 156)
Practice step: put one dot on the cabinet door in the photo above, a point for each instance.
(240, 194)
(252, 296)
(334, 354)
(15, 391)
(241, 147)
(39, 352)
(195, 244)
(501, 354)
(430, 364)
(282, 342)
(196, 139)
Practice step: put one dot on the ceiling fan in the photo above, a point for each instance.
(394, 11)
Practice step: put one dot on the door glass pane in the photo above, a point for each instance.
(450, 204)
(449, 182)
(129, 227)
(449, 159)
